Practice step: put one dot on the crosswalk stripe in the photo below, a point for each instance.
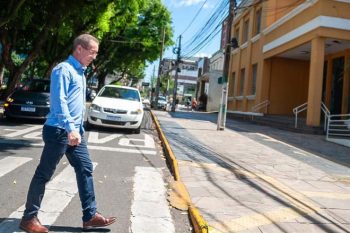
(23, 131)
(124, 150)
(149, 210)
(101, 148)
(10, 163)
(59, 192)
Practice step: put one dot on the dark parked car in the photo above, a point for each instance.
(29, 101)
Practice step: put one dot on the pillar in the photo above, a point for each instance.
(315, 82)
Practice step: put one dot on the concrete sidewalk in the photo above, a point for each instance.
(251, 178)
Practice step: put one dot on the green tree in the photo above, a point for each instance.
(41, 34)
(41, 25)
(126, 51)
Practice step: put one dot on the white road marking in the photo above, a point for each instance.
(148, 142)
(10, 163)
(149, 210)
(34, 135)
(94, 138)
(20, 132)
(123, 150)
(59, 192)
(101, 148)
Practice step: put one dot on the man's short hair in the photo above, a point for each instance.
(84, 40)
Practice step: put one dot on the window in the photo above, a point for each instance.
(233, 83)
(257, 22)
(241, 92)
(119, 93)
(255, 73)
(37, 85)
(237, 35)
(245, 31)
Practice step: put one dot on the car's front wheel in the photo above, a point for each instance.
(138, 130)
(88, 126)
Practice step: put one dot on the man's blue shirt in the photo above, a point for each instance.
(67, 96)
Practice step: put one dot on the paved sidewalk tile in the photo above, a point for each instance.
(250, 178)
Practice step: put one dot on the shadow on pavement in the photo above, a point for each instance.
(185, 144)
(76, 229)
(315, 144)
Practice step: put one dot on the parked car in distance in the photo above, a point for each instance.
(32, 100)
(116, 107)
(162, 102)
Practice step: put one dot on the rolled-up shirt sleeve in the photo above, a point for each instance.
(60, 80)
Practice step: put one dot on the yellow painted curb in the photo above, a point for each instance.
(199, 224)
(169, 152)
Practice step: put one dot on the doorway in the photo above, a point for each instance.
(337, 85)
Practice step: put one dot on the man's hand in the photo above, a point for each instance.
(74, 138)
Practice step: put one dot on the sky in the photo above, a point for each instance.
(183, 13)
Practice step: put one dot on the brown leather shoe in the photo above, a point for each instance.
(98, 221)
(32, 226)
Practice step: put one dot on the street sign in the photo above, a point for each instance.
(145, 84)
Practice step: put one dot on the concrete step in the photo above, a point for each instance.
(280, 122)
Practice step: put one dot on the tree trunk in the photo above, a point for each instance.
(101, 79)
(49, 70)
(12, 11)
(16, 75)
(2, 71)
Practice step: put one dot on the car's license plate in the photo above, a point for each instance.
(27, 109)
(113, 118)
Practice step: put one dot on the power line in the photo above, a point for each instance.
(205, 40)
(208, 25)
(194, 17)
(209, 30)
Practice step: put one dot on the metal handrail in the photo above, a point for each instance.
(261, 105)
(326, 113)
(338, 125)
(298, 110)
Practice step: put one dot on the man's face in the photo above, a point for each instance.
(86, 55)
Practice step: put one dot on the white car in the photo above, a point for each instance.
(116, 107)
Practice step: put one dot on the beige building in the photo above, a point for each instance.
(291, 52)
(213, 88)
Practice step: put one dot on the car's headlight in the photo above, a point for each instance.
(136, 112)
(95, 107)
(9, 99)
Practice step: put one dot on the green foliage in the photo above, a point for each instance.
(43, 31)
(167, 84)
(17, 59)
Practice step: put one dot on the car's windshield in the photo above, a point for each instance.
(120, 93)
(161, 98)
(37, 86)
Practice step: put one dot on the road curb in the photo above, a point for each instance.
(199, 224)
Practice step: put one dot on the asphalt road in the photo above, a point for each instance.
(125, 164)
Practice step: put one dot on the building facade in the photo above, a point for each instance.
(187, 76)
(208, 82)
(291, 52)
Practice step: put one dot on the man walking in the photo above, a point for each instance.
(63, 133)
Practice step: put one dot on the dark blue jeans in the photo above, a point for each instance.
(56, 145)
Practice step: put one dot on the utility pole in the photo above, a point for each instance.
(178, 52)
(152, 82)
(159, 68)
(223, 104)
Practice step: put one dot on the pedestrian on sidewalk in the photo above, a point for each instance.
(194, 104)
(63, 133)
